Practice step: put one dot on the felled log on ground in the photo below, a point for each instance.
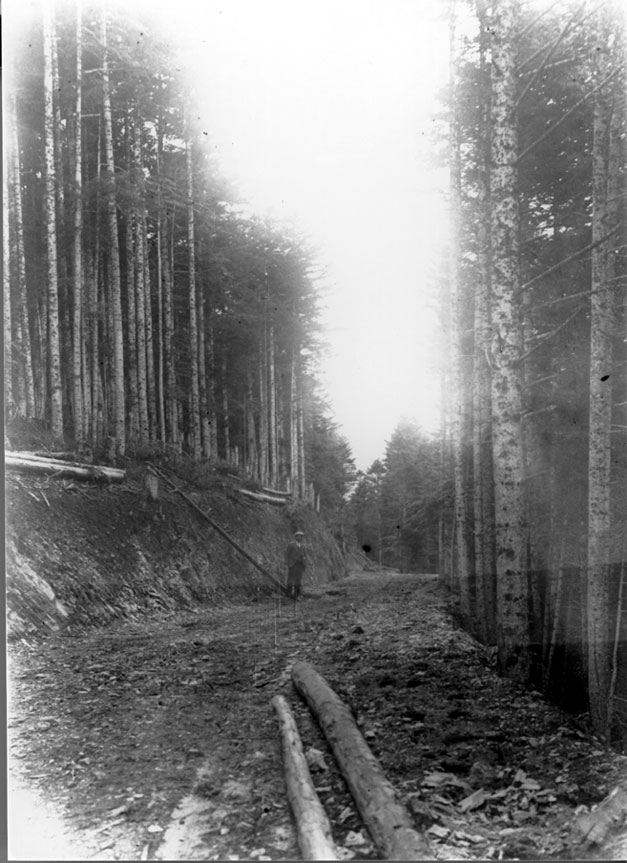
(594, 828)
(262, 498)
(390, 825)
(312, 825)
(30, 463)
(276, 492)
(63, 456)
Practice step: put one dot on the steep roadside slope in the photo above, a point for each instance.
(83, 554)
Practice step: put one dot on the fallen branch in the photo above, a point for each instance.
(262, 498)
(276, 492)
(220, 530)
(30, 463)
(390, 825)
(312, 825)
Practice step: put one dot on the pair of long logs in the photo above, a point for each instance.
(390, 825)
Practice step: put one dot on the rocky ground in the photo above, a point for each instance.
(155, 739)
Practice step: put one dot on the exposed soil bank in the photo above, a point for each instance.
(80, 554)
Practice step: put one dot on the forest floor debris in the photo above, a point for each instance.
(156, 739)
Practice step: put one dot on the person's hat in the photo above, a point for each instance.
(299, 533)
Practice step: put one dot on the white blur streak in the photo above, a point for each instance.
(36, 831)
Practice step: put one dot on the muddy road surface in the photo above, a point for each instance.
(157, 741)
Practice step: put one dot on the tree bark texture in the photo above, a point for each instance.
(483, 477)
(150, 348)
(312, 824)
(602, 324)
(272, 418)
(389, 823)
(116, 335)
(30, 463)
(78, 400)
(510, 529)
(27, 406)
(194, 420)
(458, 419)
(205, 425)
(54, 345)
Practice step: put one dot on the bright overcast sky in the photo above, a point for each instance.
(323, 113)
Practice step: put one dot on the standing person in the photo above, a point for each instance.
(296, 563)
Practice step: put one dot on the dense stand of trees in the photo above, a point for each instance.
(535, 426)
(394, 506)
(144, 310)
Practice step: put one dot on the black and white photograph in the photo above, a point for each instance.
(315, 429)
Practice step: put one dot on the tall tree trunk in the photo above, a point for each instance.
(160, 338)
(251, 433)
(171, 410)
(93, 351)
(226, 419)
(272, 418)
(282, 436)
(140, 287)
(602, 323)
(483, 481)
(54, 356)
(150, 348)
(77, 244)
(212, 393)
(463, 561)
(131, 334)
(133, 423)
(511, 563)
(160, 292)
(25, 390)
(193, 322)
(116, 334)
(302, 485)
(205, 425)
(63, 285)
(263, 414)
(294, 452)
(140, 306)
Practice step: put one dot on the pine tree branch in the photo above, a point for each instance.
(565, 116)
(535, 20)
(567, 260)
(561, 300)
(574, 58)
(544, 336)
(549, 54)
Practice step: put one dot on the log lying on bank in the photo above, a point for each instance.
(390, 825)
(276, 492)
(31, 463)
(312, 825)
(262, 498)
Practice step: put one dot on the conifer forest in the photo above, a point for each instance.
(148, 314)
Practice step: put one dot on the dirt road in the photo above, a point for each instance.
(157, 740)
